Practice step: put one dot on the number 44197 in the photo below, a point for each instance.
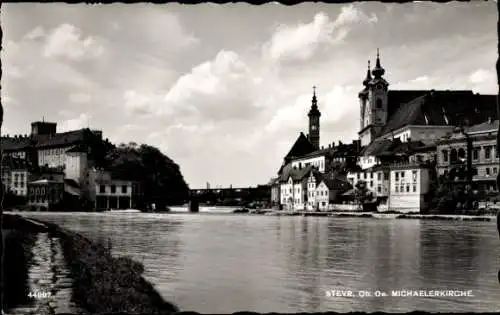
(39, 294)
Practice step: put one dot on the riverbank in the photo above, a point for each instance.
(379, 215)
(100, 283)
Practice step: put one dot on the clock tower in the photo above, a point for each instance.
(314, 115)
(373, 101)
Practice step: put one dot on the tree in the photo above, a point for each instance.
(161, 180)
(362, 194)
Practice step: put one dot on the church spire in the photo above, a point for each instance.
(314, 104)
(368, 76)
(378, 71)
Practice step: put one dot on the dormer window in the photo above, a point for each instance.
(378, 103)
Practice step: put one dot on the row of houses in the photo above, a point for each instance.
(407, 139)
(51, 170)
(398, 172)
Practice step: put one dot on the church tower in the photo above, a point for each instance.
(373, 101)
(314, 116)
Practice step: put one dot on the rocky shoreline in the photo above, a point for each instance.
(68, 273)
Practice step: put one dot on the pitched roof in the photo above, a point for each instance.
(297, 174)
(14, 144)
(486, 126)
(387, 147)
(302, 146)
(377, 147)
(439, 108)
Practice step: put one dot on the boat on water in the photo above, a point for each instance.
(123, 211)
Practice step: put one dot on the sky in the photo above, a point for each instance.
(224, 90)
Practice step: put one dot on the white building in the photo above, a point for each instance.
(409, 182)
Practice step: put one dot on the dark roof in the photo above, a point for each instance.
(297, 174)
(14, 143)
(377, 147)
(484, 127)
(337, 184)
(302, 146)
(79, 148)
(62, 139)
(388, 147)
(439, 108)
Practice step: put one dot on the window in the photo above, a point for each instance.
(397, 176)
(414, 174)
(371, 175)
(371, 183)
(496, 152)
(386, 176)
(379, 176)
(359, 175)
(407, 188)
(494, 170)
(397, 189)
(364, 175)
(378, 103)
(379, 188)
(414, 188)
(124, 189)
(487, 153)
(475, 154)
(402, 175)
(102, 189)
(445, 155)
(487, 171)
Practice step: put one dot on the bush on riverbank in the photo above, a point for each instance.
(17, 258)
(103, 284)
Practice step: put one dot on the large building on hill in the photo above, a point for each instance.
(48, 157)
(402, 132)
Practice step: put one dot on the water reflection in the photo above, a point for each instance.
(224, 263)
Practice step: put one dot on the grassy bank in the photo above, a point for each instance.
(17, 258)
(103, 284)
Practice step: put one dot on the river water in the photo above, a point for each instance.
(221, 263)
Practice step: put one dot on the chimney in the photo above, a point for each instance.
(333, 144)
(322, 147)
(329, 146)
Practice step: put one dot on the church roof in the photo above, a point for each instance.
(438, 108)
(302, 146)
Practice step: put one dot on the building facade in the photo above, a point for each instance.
(409, 183)
(45, 195)
(116, 194)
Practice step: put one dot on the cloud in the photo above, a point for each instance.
(82, 121)
(67, 41)
(79, 97)
(220, 89)
(36, 33)
(480, 76)
(300, 42)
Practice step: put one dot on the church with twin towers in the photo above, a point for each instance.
(392, 125)
(404, 114)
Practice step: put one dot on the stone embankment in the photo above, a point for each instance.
(68, 273)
